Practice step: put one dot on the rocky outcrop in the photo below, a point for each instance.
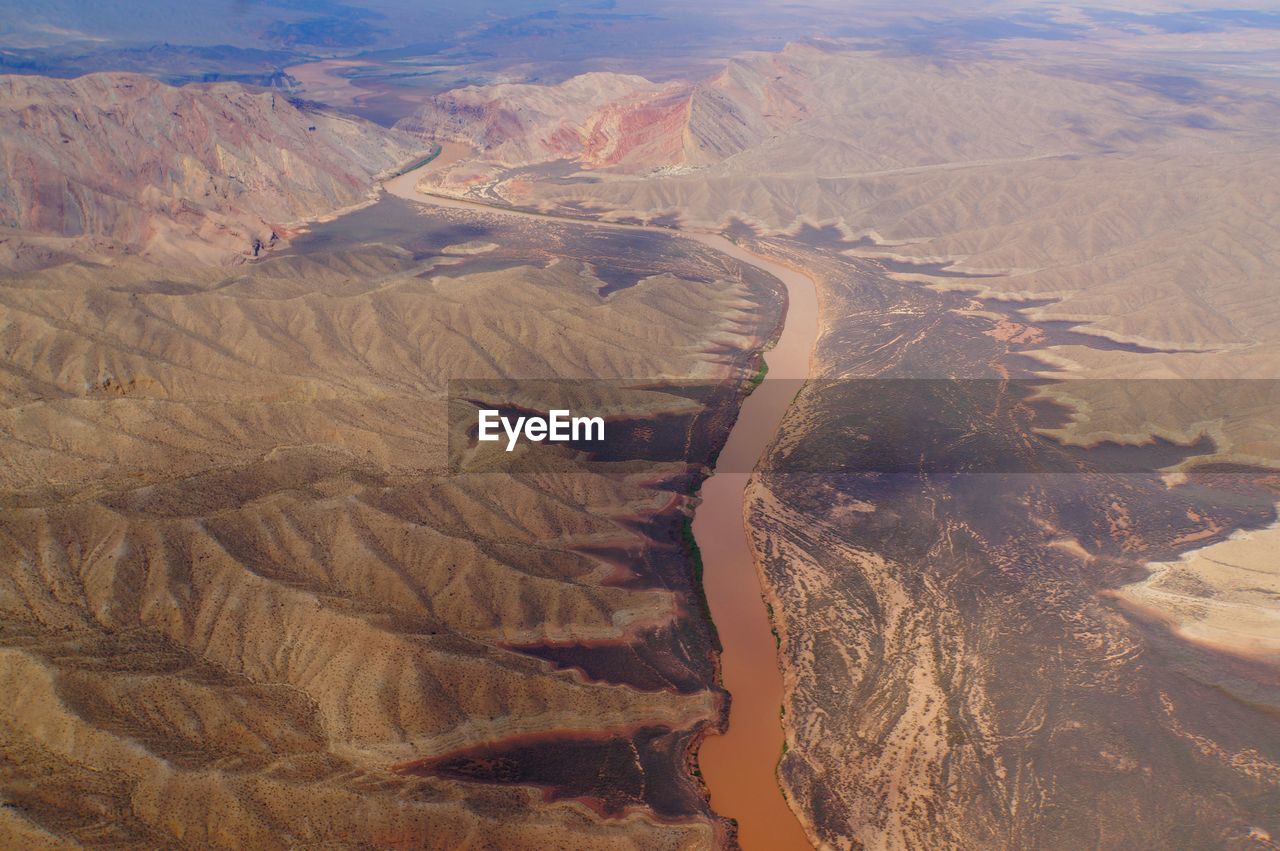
(517, 123)
(604, 120)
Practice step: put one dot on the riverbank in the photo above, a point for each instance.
(739, 765)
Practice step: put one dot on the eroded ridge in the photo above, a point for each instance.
(248, 586)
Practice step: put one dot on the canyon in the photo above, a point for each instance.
(942, 361)
(738, 762)
(971, 652)
(245, 601)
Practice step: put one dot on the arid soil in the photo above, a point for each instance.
(959, 672)
(245, 603)
(987, 635)
(1015, 531)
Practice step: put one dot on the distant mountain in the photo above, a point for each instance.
(174, 64)
(521, 123)
(614, 120)
(120, 163)
(1055, 185)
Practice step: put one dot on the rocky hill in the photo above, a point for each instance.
(119, 163)
(243, 602)
(519, 123)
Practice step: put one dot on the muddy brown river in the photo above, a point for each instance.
(739, 766)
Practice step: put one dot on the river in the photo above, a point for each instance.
(739, 767)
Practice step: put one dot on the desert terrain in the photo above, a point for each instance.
(112, 164)
(1012, 543)
(987, 639)
(241, 584)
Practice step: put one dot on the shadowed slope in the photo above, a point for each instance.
(238, 580)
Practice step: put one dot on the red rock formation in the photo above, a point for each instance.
(612, 120)
(649, 132)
